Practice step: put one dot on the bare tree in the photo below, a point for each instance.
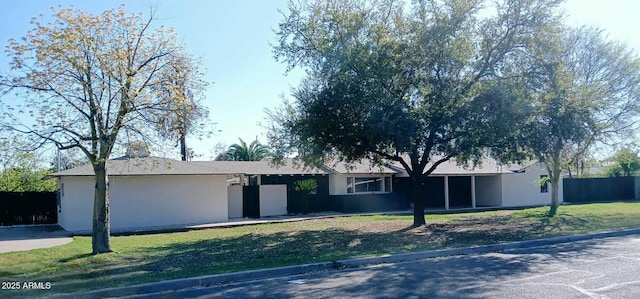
(183, 87)
(83, 79)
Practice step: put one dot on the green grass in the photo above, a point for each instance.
(149, 258)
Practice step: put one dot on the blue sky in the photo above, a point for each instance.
(232, 38)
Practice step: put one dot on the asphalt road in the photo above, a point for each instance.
(598, 268)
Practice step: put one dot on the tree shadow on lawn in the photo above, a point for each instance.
(212, 256)
(499, 229)
(75, 257)
(265, 250)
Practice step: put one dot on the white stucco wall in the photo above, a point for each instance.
(488, 191)
(146, 201)
(520, 189)
(235, 201)
(76, 203)
(337, 184)
(273, 200)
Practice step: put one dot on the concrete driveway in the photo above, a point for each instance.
(32, 237)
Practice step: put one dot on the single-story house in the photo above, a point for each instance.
(153, 192)
(489, 184)
(145, 192)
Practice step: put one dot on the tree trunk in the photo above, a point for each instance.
(555, 182)
(183, 147)
(418, 202)
(555, 176)
(101, 229)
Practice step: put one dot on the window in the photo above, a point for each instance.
(544, 187)
(368, 184)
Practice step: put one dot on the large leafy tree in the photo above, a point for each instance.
(21, 170)
(625, 162)
(26, 179)
(583, 89)
(254, 151)
(415, 84)
(83, 79)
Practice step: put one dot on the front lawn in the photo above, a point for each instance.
(149, 258)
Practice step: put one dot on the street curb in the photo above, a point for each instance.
(149, 289)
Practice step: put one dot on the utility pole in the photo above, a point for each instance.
(58, 159)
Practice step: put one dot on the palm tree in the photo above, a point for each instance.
(305, 187)
(241, 152)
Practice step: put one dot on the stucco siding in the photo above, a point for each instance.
(488, 191)
(521, 189)
(76, 203)
(273, 200)
(147, 201)
(337, 184)
(235, 201)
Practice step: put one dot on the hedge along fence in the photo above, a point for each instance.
(28, 208)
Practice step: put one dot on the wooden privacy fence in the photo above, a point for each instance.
(599, 189)
(27, 208)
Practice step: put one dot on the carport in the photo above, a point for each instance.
(456, 191)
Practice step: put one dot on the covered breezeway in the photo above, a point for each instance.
(456, 191)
